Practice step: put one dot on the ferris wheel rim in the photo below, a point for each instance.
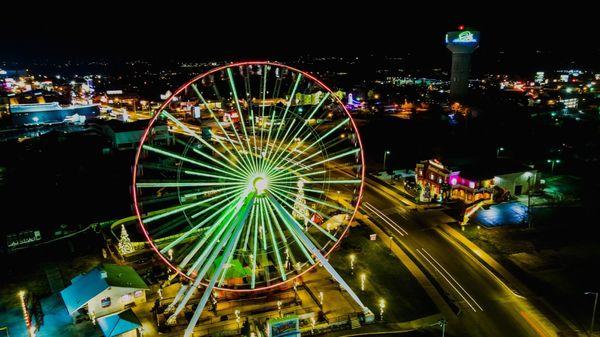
(181, 88)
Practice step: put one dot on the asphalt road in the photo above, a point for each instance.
(488, 306)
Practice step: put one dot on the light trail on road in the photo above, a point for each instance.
(452, 277)
(395, 226)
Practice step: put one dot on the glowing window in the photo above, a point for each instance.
(472, 184)
(126, 298)
(105, 302)
(138, 293)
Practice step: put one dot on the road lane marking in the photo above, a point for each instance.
(483, 266)
(372, 210)
(386, 219)
(452, 277)
(447, 280)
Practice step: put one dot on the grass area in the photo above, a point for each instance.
(386, 278)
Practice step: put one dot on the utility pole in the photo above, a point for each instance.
(593, 311)
(385, 154)
(529, 203)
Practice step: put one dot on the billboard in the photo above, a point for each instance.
(462, 37)
(288, 326)
(22, 239)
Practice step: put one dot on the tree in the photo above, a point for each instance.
(300, 211)
(125, 246)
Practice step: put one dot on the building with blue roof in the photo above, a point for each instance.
(104, 290)
(122, 324)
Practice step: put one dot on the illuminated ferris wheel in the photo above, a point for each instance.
(257, 182)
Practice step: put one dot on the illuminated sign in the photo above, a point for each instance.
(287, 326)
(465, 37)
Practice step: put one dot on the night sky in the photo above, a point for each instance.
(522, 37)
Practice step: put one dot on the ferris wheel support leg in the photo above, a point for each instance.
(317, 253)
(171, 307)
(215, 276)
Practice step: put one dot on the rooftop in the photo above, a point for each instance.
(86, 286)
(119, 323)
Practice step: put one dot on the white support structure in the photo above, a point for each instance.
(171, 307)
(295, 226)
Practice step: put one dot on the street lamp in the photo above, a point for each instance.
(381, 307)
(553, 162)
(594, 310)
(363, 278)
(442, 323)
(385, 154)
(498, 150)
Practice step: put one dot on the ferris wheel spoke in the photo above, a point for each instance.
(288, 175)
(276, 152)
(231, 142)
(226, 225)
(188, 160)
(195, 228)
(280, 196)
(185, 184)
(284, 240)
(249, 228)
(251, 117)
(204, 142)
(262, 108)
(287, 108)
(327, 134)
(254, 257)
(337, 156)
(247, 152)
(239, 109)
(301, 128)
(295, 189)
(176, 209)
(216, 225)
(293, 227)
(208, 175)
(211, 191)
(333, 181)
(273, 240)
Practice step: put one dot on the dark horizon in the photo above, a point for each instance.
(518, 40)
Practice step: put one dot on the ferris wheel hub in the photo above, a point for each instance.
(260, 185)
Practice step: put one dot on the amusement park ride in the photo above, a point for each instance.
(248, 209)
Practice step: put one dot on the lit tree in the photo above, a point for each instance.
(300, 211)
(125, 246)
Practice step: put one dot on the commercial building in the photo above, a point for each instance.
(431, 178)
(126, 136)
(471, 186)
(47, 113)
(104, 290)
(471, 182)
